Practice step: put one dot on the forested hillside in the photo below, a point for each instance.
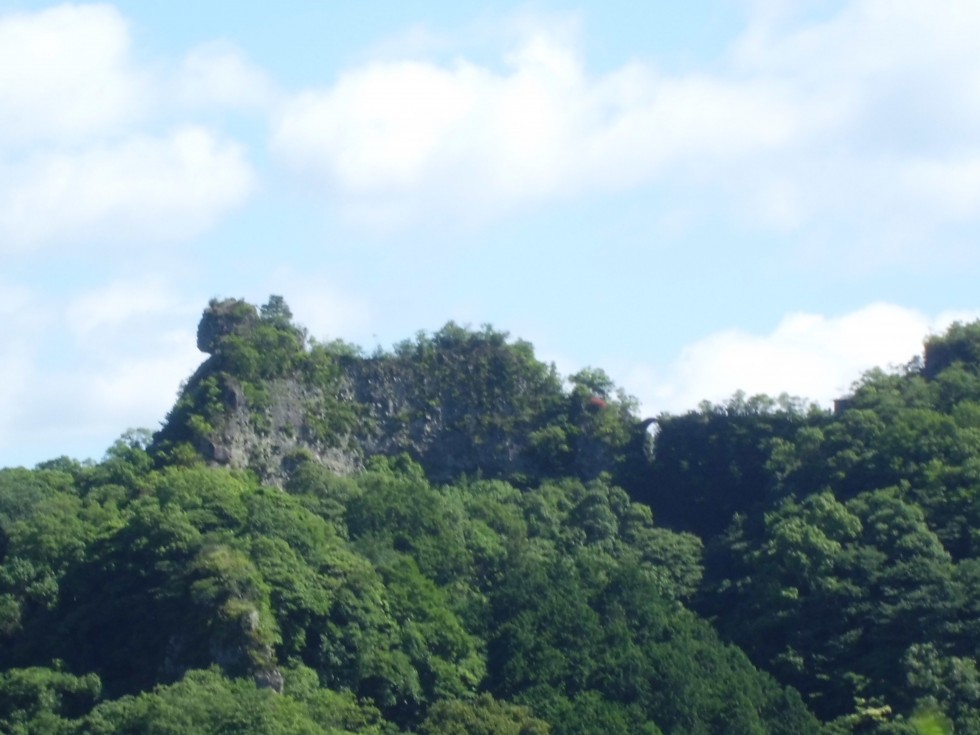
(449, 538)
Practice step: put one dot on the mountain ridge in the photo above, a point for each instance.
(267, 394)
(447, 538)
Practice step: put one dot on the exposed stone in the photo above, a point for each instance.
(270, 679)
(475, 424)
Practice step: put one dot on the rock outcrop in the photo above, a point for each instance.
(459, 402)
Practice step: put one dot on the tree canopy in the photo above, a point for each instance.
(449, 538)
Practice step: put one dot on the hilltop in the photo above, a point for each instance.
(449, 538)
(459, 402)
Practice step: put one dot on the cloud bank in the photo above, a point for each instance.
(811, 356)
(127, 363)
(868, 118)
(82, 158)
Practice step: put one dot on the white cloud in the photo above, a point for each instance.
(218, 74)
(116, 304)
(78, 163)
(153, 188)
(14, 299)
(139, 389)
(870, 115)
(132, 348)
(23, 319)
(950, 186)
(65, 74)
(82, 409)
(807, 355)
(893, 90)
(406, 135)
(124, 350)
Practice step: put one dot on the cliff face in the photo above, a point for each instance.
(265, 434)
(458, 402)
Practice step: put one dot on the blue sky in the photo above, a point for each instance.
(698, 198)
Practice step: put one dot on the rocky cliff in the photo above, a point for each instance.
(459, 402)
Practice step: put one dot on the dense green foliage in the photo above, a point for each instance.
(842, 550)
(157, 599)
(503, 554)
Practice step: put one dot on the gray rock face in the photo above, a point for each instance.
(264, 439)
(391, 420)
(458, 403)
(270, 679)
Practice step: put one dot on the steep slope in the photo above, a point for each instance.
(444, 538)
(168, 589)
(459, 402)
